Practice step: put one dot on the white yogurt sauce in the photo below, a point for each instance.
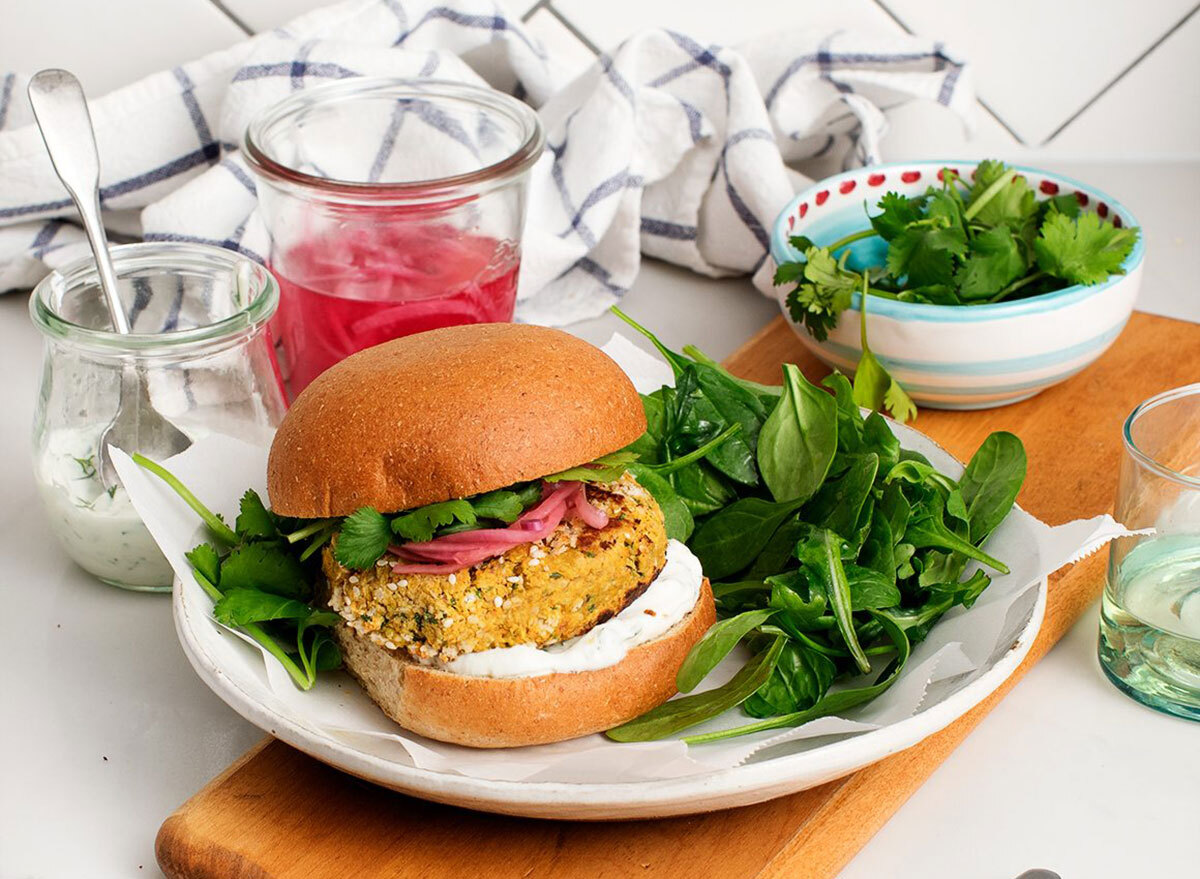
(100, 531)
(665, 602)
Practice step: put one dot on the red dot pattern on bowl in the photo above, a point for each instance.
(1047, 187)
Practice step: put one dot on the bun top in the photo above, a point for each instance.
(448, 413)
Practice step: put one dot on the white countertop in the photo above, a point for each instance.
(106, 730)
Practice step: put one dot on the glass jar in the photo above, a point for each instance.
(394, 206)
(1150, 614)
(201, 343)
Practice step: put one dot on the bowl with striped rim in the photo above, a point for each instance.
(958, 356)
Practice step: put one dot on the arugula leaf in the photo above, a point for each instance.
(820, 555)
(419, 524)
(207, 563)
(254, 519)
(266, 566)
(364, 538)
(1086, 250)
(833, 702)
(679, 714)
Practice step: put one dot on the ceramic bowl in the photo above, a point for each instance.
(959, 357)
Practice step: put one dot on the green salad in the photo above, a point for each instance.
(830, 548)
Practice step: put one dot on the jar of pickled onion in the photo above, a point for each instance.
(394, 206)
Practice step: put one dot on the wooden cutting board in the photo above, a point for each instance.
(278, 813)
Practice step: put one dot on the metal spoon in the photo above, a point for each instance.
(62, 116)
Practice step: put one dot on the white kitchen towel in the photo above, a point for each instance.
(663, 146)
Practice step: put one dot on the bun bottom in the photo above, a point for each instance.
(485, 712)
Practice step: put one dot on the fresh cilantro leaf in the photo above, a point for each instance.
(241, 606)
(787, 273)
(934, 294)
(254, 519)
(999, 196)
(606, 468)
(827, 293)
(897, 401)
(420, 524)
(898, 212)
(1082, 251)
(206, 562)
(1062, 204)
(874, 387)
(994, 262)
(363, 539)
(266, 566)
(925, 255)
(945, 210)
(502, 504)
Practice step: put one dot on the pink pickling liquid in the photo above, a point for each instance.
(342, 293)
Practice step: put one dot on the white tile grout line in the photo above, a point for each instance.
(1056, 132)
(894, 17)
(224, 10)
(1134, 63)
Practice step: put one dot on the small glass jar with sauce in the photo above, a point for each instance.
(394, 206)
(201, 343)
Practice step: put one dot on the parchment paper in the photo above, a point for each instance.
(959, 649)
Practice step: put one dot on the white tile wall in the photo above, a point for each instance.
(1108, 79)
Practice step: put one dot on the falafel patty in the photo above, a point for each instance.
(537, 593)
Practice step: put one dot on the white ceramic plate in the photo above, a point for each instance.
(762, 778)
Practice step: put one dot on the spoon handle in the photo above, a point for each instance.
(62, 116)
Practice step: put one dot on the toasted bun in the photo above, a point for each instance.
(445, 414)
(510, 712)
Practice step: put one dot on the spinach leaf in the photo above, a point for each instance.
(801, 677)
(878, 550)
(837, 504)
(678, 714)
(730, 539)
(869, 589)
(721, 638)
(678, 518)
(990, 484)
(799, 439)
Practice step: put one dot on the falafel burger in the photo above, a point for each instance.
(502, 577)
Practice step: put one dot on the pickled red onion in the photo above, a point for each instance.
(454, 552)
